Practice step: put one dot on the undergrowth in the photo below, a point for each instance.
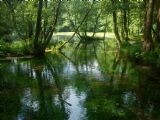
(135, 53)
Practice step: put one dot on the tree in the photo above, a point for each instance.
(37, 47)
(125, 20)
(115, 26)
(42, 38)
(148, 25)
(158, 21)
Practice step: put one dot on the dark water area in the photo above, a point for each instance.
(78, 85)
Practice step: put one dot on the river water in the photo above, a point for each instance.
(84, 84)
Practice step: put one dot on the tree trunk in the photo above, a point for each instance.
(147, 43)
(96, 24)
(30, 28)
(114, 13)
(37, 46)
(50, 33)
(45, 20)
(77, 29)
(73, 23)
(125, 4)
(158, 21)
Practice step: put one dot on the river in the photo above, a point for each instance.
(84, 84)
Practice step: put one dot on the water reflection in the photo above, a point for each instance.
(84, 85)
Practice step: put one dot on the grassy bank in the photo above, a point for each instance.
(17, 48)
(136, 54)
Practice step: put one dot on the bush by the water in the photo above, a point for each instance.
(17, 48)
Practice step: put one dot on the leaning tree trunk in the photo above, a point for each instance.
(147, 43)
(49, 34)
(77, 29)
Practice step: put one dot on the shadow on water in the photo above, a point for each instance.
(90, 83)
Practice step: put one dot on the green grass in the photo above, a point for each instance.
(17, 48)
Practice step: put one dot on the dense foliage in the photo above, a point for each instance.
(32, 23)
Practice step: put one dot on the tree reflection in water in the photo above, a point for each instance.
(86, 84)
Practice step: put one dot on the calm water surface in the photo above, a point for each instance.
(80, 85)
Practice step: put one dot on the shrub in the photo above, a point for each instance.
(19, 47)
